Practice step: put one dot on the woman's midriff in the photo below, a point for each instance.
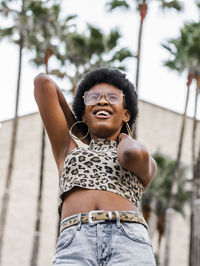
(80, 200)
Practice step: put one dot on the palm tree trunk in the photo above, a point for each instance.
(146, 211)
(6, 196)
(169, 214)
(174, 186)
(160, 225)
(198, 174)
(194, 257)
(194, 159)
(39, 204)
(143, 12)
(195, 252)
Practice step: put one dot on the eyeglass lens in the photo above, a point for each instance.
(93, 97)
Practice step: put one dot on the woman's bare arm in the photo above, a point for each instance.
(51, 105)
(134, 157)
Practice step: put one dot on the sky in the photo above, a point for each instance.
(158, 85)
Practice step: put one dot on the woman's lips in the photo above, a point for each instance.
(103, 114)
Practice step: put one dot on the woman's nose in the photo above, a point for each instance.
(103, 99)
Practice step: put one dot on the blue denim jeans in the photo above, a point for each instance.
(105, 244)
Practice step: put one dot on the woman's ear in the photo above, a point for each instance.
(127, 115)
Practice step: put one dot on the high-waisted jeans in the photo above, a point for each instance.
(110, 243)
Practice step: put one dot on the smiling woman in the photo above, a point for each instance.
(100, 185)
(104, 114)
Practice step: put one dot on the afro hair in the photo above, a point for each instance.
(110, 76)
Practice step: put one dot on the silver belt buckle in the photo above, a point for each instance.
(90, 221)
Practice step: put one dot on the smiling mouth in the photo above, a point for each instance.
(102, 114)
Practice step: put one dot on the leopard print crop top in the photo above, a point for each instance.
(97, 167)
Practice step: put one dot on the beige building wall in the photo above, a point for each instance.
(158, 130)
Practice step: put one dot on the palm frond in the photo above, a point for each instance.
(95, 32)
(122, 54)
(112, 39)
(6, 32)
(184, 51)
(174, 4)
(111, 5)
(168, 47)
(70, 17)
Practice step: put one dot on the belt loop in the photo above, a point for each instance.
(118, 224)
(79, 221)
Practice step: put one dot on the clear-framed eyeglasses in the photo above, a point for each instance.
(112, 96)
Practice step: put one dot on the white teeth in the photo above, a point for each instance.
(101, 112)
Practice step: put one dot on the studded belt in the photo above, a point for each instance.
(96, 217)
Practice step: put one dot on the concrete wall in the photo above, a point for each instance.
(158, 130)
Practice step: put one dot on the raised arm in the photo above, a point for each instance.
(56, 116)
(134, 157)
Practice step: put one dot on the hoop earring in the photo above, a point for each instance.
(73, 136)
(128, 129)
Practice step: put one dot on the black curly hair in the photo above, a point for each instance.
(110, 76)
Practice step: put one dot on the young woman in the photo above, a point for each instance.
(100, 185)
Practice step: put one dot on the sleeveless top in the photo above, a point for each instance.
(97, 167)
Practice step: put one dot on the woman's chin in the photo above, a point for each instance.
(104, 132)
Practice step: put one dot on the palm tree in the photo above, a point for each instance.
(90, 50)
(175, 64)
(17, 33)
(142, 7)
(194, 257)
(193, 31)
(185, 57)
(159, 191)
